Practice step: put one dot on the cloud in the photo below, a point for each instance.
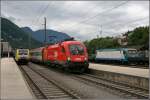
(137, 10)
(76, 17)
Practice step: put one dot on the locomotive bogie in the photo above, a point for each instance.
(77, 66)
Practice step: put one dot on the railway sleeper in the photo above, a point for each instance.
(119, 83)
(56, 96)
(69, 92)
(116, 87)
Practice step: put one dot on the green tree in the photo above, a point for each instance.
(139, 36)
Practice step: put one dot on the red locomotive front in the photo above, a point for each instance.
(71, 55)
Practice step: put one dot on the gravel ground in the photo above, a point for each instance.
(84, 90)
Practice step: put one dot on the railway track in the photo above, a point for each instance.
(125, 90)
(45, 88)
(121, 89)
(37, 92)
(123, 65)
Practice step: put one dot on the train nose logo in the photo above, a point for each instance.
(55, 54)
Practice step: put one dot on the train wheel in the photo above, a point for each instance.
(52, 65)
(17, 63)
(82, 70)
(66, 69)
(87, 70)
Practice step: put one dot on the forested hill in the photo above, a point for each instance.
(139, 37)
(17, 38)
(52, 36)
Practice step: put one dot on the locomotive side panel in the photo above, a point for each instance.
(56, 54)
(62, 54)
(51, 54)
(44, 54)
(110, 54)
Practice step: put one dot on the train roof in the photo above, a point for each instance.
(22, 49)
(71, 42)
(115, 49)
(57, 44)
(37, 48)
(64, 43)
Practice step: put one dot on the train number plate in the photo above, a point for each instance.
(78, 59)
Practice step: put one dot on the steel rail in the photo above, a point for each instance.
(116, 82)
(111, 85)
(31, 82)
(61, 87)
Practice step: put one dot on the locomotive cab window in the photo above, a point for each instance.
(76, 49)
(23, 52)
(124, 52)
(132, 51)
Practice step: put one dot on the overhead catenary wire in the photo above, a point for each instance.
(108, 23)
(122, 24)
(101, 13)
(86, 19)
(106, 11)
(113, 21)
(89, 18)
(42, 12)
(35, 20)
(129, 23)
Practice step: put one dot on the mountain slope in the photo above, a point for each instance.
(52, 36)
(15, 35)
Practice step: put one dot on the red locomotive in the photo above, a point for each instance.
(71, 55)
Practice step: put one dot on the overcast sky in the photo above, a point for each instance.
(80, 19)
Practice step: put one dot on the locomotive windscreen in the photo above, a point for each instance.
(76, 49)
(132, 51)
(23, 52)
(132, 54)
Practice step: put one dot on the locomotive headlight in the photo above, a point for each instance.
(85, 58)
(68, 58)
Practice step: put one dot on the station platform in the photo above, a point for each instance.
(120, 69)
(13, 84)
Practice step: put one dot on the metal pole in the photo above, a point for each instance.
(1, 49)
(45, 29)
(101, 31)
(29, 41)
(8, 50)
